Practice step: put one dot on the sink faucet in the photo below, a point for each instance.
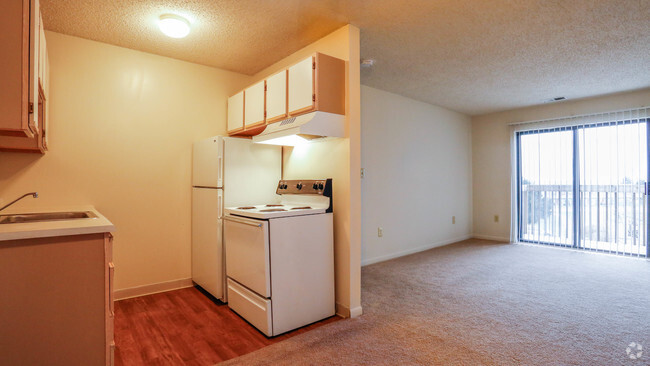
(33, 194)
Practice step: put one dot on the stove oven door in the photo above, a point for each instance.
(247, 253)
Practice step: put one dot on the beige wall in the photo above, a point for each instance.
(418, 174)
(491, 153)
(122, 125)
(336, 159)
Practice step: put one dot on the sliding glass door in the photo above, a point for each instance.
(602, 169)
(546, 187)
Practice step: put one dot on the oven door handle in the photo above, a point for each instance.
(241, 221)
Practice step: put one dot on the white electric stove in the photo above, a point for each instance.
(280, 257)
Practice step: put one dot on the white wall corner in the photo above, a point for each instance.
(345, 312)
(356, 312)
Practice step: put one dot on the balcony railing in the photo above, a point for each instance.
(612, 218)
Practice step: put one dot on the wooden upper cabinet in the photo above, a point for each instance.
(254, 105)
(24, 101)
(15, 70)
(317, 83)
(236, 113)
(276, 97)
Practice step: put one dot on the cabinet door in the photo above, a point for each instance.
(254, 105)
(109, 310)
(301, 87)
(42, 51)
(56, 312)
(14, 73)
(276, 97)
(236, 112)
(34, 59)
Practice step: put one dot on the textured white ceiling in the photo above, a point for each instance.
(471, 56)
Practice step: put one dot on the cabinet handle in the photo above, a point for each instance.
(230, 218)
(111, 276)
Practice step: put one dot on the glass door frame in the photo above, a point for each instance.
(577, 229)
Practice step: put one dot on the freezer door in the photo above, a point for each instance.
(247, 253)
(207, 241)
(207, 163)
(252, 172)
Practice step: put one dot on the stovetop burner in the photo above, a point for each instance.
(296, 198)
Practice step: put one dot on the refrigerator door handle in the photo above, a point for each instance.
(220, 206)
(220, 172)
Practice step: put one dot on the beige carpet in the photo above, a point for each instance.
(482, 303)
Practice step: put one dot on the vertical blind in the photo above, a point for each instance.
(582, 182)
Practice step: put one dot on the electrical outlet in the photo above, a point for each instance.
(363, 173)
(380, 232)
(453, 220)
(496, 218)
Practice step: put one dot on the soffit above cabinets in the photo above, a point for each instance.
(470, 56)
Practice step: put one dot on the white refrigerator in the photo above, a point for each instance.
(226, 171)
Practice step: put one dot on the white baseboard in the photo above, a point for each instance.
(402, 253)
(345, 312)
(355, 312)
(153, 288)
(491, 237)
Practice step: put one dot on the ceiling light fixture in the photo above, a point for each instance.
(174, 26)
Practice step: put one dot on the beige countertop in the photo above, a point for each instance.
(99, 224)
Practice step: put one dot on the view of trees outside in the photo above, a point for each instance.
(612, 171)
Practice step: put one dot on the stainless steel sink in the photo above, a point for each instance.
(46, 216)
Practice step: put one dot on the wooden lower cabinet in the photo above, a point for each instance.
(56, 301)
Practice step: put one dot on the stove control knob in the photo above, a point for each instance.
(320, 186)
(299, 185)
(315, 186)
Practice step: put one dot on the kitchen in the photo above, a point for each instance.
(422, 163)
(115, 147)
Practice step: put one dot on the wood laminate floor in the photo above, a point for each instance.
(185, 327)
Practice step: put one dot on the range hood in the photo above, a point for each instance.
(309, 127)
